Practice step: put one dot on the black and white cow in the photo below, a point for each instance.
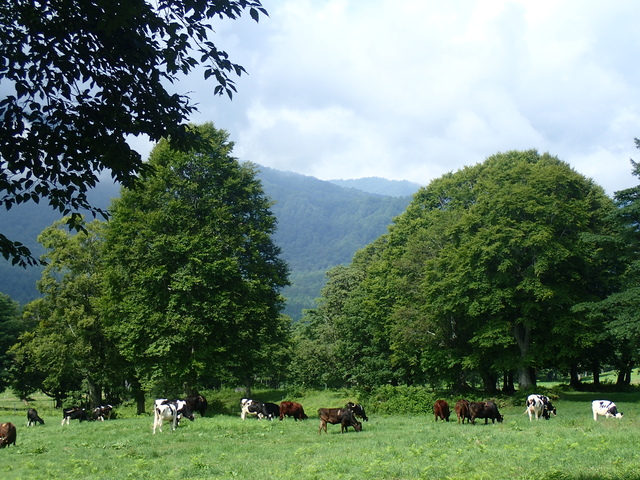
(169, 410)
(358, 410)
(539, 406)
(605, 408)
(103, 412)
(33, 417)
(270, 410)
(74, 413)
(250, 407)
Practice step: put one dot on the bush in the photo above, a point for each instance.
(402, 399)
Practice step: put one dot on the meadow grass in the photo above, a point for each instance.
(570, 446)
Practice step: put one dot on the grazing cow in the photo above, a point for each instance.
(169, 410)
(343, 416)
(463, 410)
(7, 434)
(486, 410)
(197, 403)
(270, 410)
(74, 413)
(250, 407)
(292, 409)
(183, 408)
(358, 410)
(605, 408)
(33, 417)
(539, 406)
(441, 410)
(102, 412)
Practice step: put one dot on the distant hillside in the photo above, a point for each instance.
(320, 225)
(381, 186)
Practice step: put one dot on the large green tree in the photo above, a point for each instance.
(479, 275)
(67, 349)
(193, 276)
(618, 314)
(81, 76)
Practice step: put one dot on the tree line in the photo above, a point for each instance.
(492, 274)
(180, 290)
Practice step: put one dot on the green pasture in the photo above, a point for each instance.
(222, 446)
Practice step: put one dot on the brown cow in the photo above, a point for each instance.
(441, 410)
(292, 409)
(463, 410)
(343, 416)
(487, 410)
(7, 434)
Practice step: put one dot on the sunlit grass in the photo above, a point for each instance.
(571, 446)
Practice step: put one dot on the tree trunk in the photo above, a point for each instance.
(247, 387)
(596, 373)
(507, 382)
(522, 335)
(95, 394)
(524, 378)
(574, 378)
(138, 396)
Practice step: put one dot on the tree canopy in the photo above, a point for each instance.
(193, 276)
(478, 276)
(78, 77)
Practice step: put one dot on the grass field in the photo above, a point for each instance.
(571, 446)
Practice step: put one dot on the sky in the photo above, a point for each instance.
(413, 89)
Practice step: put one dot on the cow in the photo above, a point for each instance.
(270, 410)
(33, 417)
(358, 410)
(73, 413)
(441, 410)
(197, 403)
(343, 416)
(250, 407)
(539, 406)
(487, 410)
(463, 410)
(292, 409)
(7, 434)
(169, 410)
(605, 408)
(102, 412)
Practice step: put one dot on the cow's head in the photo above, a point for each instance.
(184, 410)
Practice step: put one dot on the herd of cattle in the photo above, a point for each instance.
(165, 410)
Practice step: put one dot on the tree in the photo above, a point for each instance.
(82, 76)
(193, 276)
(479, 275)
(67, 347)
(618, 312)
(10, 328)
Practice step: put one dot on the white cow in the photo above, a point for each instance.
(169, 411)
(605, 408)
(539, 406)
(250, 407)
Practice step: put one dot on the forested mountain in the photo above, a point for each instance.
(381, 186)
(320, 225)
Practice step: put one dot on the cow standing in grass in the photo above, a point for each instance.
(73, 413)
(33, 417)
(441, 410)
(463, 410)
(605, 408)
(343, 416)
(8, 434)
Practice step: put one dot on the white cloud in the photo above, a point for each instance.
(407, 89)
